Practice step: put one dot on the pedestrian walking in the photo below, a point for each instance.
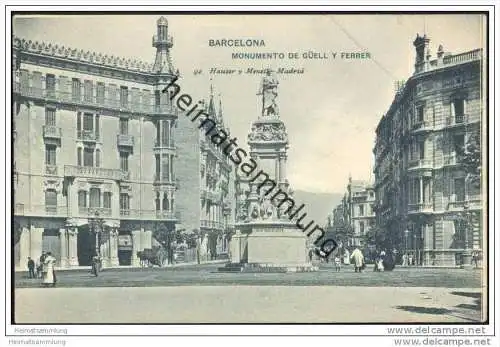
(95, 265)
(337, 263)
(358, 258)
(405, 260)
(31, 268)
(41, 268)
(49, 276)
(410, 259)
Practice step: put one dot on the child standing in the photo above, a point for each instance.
(337, 263)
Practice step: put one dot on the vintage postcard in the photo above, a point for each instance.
(237, 168)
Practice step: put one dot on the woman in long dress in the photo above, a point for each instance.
(49, 277)
(358, 258)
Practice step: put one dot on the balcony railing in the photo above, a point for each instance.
(141, 105)
(95, 172)
(40, 210)
(450, 160)
(420, 163)
(211, 224)
(458, 120)
(125, 140)
(88, 135)
(92, 212)
(420, 126)
(150, 214)
(52, 132)
(421, 207)
(472, 202)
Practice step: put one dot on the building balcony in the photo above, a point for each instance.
(150, 215)
(169, 41)
(93, 212)
(421, 127)
(95, 172)
(472, 203)
(40, 211)
(457, 121)
(88, 136)
(138, 104)
(211, 224)
(51, 132)
(419, 164)
(123, 140)
(50, 169)
(425, 207)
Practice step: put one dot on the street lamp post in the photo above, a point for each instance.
(406, 240)
(96, 229)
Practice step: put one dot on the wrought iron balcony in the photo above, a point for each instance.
(88, 136)
(450, 160)
(421, 126)
(420, 164)
(91, 212)
(150, 215)
(458, 120)
(41, 210)
(95, 172)
(123, 140)
(52, 132)
(425, 207)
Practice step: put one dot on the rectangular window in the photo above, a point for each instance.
(421, 150)
(50, 155)
(123, 126)
(76, 89)
(458, 107)
(361, 210)
(79, 124)
(459, 144)
(88, 91)
(100, 93)
(79, 156)
(82, 198)
(50, 198)
(123, 96)
(88, 157)
(165, 137)
(97, 158)
(420, 114)
(95, 197)
(124, 161)
(361, 227)
(124, 201)
(107, 200)
(88, 122)
(165, 169)
(50, 117)
(97, 127)
(50, 85)
(157, 98)
(157, 177)
(459, 189)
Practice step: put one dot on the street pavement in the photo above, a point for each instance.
(198, 294)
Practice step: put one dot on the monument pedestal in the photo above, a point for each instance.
(268, 247)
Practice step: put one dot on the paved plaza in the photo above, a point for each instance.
(198, 294)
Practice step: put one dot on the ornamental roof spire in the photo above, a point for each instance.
(211, 106)
(162, 42)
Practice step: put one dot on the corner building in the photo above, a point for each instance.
(422, 191)
(99, 149)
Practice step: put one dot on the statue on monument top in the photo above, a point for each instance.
(269, 91)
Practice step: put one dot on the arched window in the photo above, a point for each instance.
(165, 202)
(157, 202)
(97, 158)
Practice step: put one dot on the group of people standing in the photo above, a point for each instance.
(45, 269)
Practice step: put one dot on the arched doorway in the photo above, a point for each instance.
(124, 248)
(86, 245)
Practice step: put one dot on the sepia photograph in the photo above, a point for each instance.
(196, 168)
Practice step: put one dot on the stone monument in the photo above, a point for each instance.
(265, 239)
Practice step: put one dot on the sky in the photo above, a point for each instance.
(330, 111)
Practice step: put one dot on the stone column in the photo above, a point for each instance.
(136, 244)
(24, 247)
(277, 170)
(73, 246)
(36, 236)
(113, 238)
(63, 237)
(148, 234)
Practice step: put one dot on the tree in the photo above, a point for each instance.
(470, 157)
(375, 236)
(165, 237)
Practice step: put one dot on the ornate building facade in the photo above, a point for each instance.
(427, 202)
(355, 210)
(102, 158)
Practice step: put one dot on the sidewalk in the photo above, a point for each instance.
(131, 267)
